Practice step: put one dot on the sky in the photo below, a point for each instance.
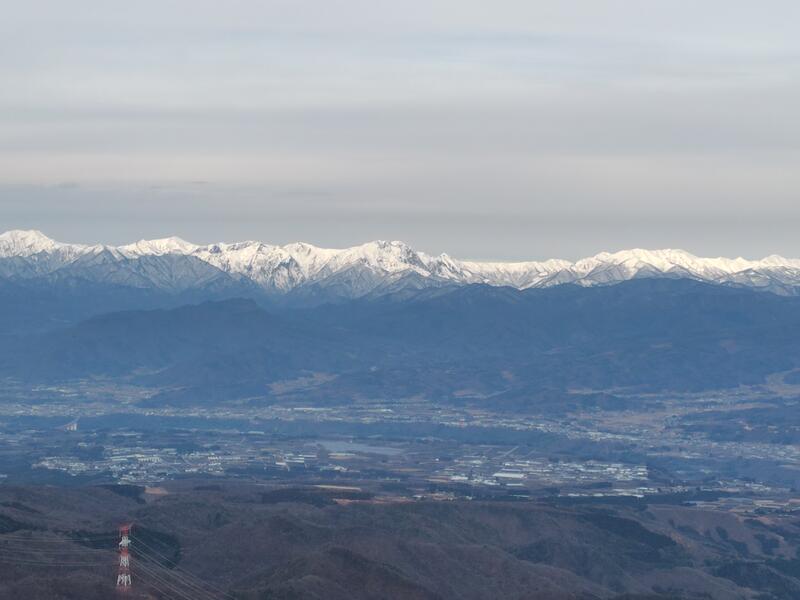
(503, 130)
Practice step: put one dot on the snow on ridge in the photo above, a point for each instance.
(283, 268)
(160, 247)
(20, 242)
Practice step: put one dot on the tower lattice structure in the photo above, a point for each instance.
(124, 581)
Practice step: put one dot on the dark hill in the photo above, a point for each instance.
(645, 334)
(228, 537)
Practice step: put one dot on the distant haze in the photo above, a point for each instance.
(502, 130)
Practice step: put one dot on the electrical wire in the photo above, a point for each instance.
(153, 580)
(25, 553)
(51, 550)
(160, 578)
(138, 542)
(151, 565)
(21, 538)
(19, 533)
(53, 545)
(48, 563)
(149, 583)
(181, 574)
(56, 554)
(155, 575)
(176, 578)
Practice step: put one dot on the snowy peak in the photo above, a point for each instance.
(170, 245)
(388, 257)
(370, 267)
(25, 243)
(671, 261)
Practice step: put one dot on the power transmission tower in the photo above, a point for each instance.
(124, 572)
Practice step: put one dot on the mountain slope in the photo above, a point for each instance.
(258, 548)
(473, 341)
(361, 270)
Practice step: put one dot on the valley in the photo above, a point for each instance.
(629, 437)
(92, 433)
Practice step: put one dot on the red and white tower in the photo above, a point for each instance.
(124, 572)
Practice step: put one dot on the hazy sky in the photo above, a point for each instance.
(503, 129)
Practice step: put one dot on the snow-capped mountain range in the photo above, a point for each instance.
(175, 265)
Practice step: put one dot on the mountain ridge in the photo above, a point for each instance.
(647, 334)
(367, 268)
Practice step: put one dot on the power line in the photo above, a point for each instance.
(187, 584)
(27, 550)
(50, 563)
(178, 572)
(159, 578)
(51, 547)
(181, 585)
(72, 555)
(21, 538)
(19, 532)
(149, 582)
(44, 554)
